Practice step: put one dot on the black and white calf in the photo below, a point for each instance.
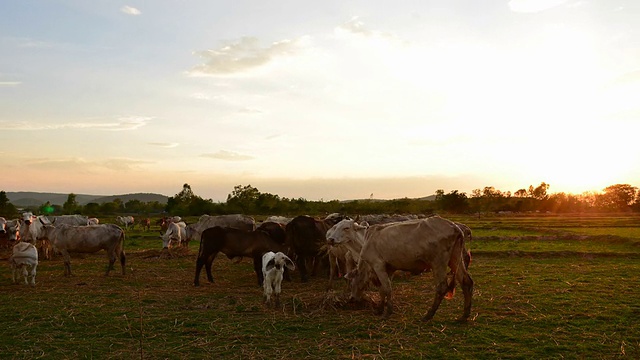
(273, 265)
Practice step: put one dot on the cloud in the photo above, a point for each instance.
(82, 165)
(164, 145)
(241, 56)
(10, 83)
(121, 124)
(533, 6)
(130, 10)
(228, 155)
(355, 26)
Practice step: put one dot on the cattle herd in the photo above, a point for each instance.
(367, 249)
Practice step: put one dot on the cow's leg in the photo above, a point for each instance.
(14, 273)
(268, 290)
(25, 274)
(67, 262)
(257, 267)
(301, 261)
(112, 260)
(386, 306)
(333, 264)
(199, 264)
(207, 265)
(441, 287)
(467, 289)
(32, 274)
(123, 261)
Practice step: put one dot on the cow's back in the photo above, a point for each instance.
(410, 244)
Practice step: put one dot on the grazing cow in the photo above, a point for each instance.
(345, 240)
(73, 220)
(24, 260)
(176, 233)
(93, 221)
(126, 221)
(233, 243)
(87, 239)
(236, 221)
(273, 265)
(306, 237)
(416, 246)
(145, 224)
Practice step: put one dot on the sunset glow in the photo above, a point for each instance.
(323, 101)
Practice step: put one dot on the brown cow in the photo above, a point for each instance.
(416, 246)
(234, 243)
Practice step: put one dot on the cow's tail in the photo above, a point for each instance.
(122, 255)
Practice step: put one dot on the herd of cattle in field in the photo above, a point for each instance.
(367, 250)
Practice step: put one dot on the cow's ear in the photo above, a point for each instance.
(289, 263)
(270, 264)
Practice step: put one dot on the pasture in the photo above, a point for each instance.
(545, 287)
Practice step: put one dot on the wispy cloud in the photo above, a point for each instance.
(10, 83)
(533, 6)
(120, 124)
(164, 145)
(356, 26)
(228, 155)
(130, 10)
(241, 56)
(83, 165)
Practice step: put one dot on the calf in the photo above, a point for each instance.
(176, 234)
(273, 265)
(25, 260)
(233, 243)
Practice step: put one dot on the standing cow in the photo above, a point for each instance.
(234, 243)
(416, 246)
(126, 221)
(236, 221)
(306, 237)
(87, 239)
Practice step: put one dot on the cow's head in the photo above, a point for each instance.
(360, 278)
(344, 232)
(279, 261)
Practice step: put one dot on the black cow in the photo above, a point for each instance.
(306, 237)
(234, 243)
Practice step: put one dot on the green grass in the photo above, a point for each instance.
(569, 301)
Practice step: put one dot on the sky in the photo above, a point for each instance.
(321, 100)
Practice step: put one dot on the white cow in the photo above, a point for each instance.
(93, 221)
(176, 234)
(278, 219)
(126, 221)
(24, 260)
(73, 220)
(344, 241)
(87, 239)
(429, 244)
(31, 231)
(273, 265)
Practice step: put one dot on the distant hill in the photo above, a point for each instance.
(25, 198)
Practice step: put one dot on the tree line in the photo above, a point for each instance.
(247, 199)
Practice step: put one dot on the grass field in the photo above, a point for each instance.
(549, 291)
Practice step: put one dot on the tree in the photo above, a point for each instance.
(453, 201)
(243, 198)
(7, 209)
(618, 197)
(71, 205)
(539, 192)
